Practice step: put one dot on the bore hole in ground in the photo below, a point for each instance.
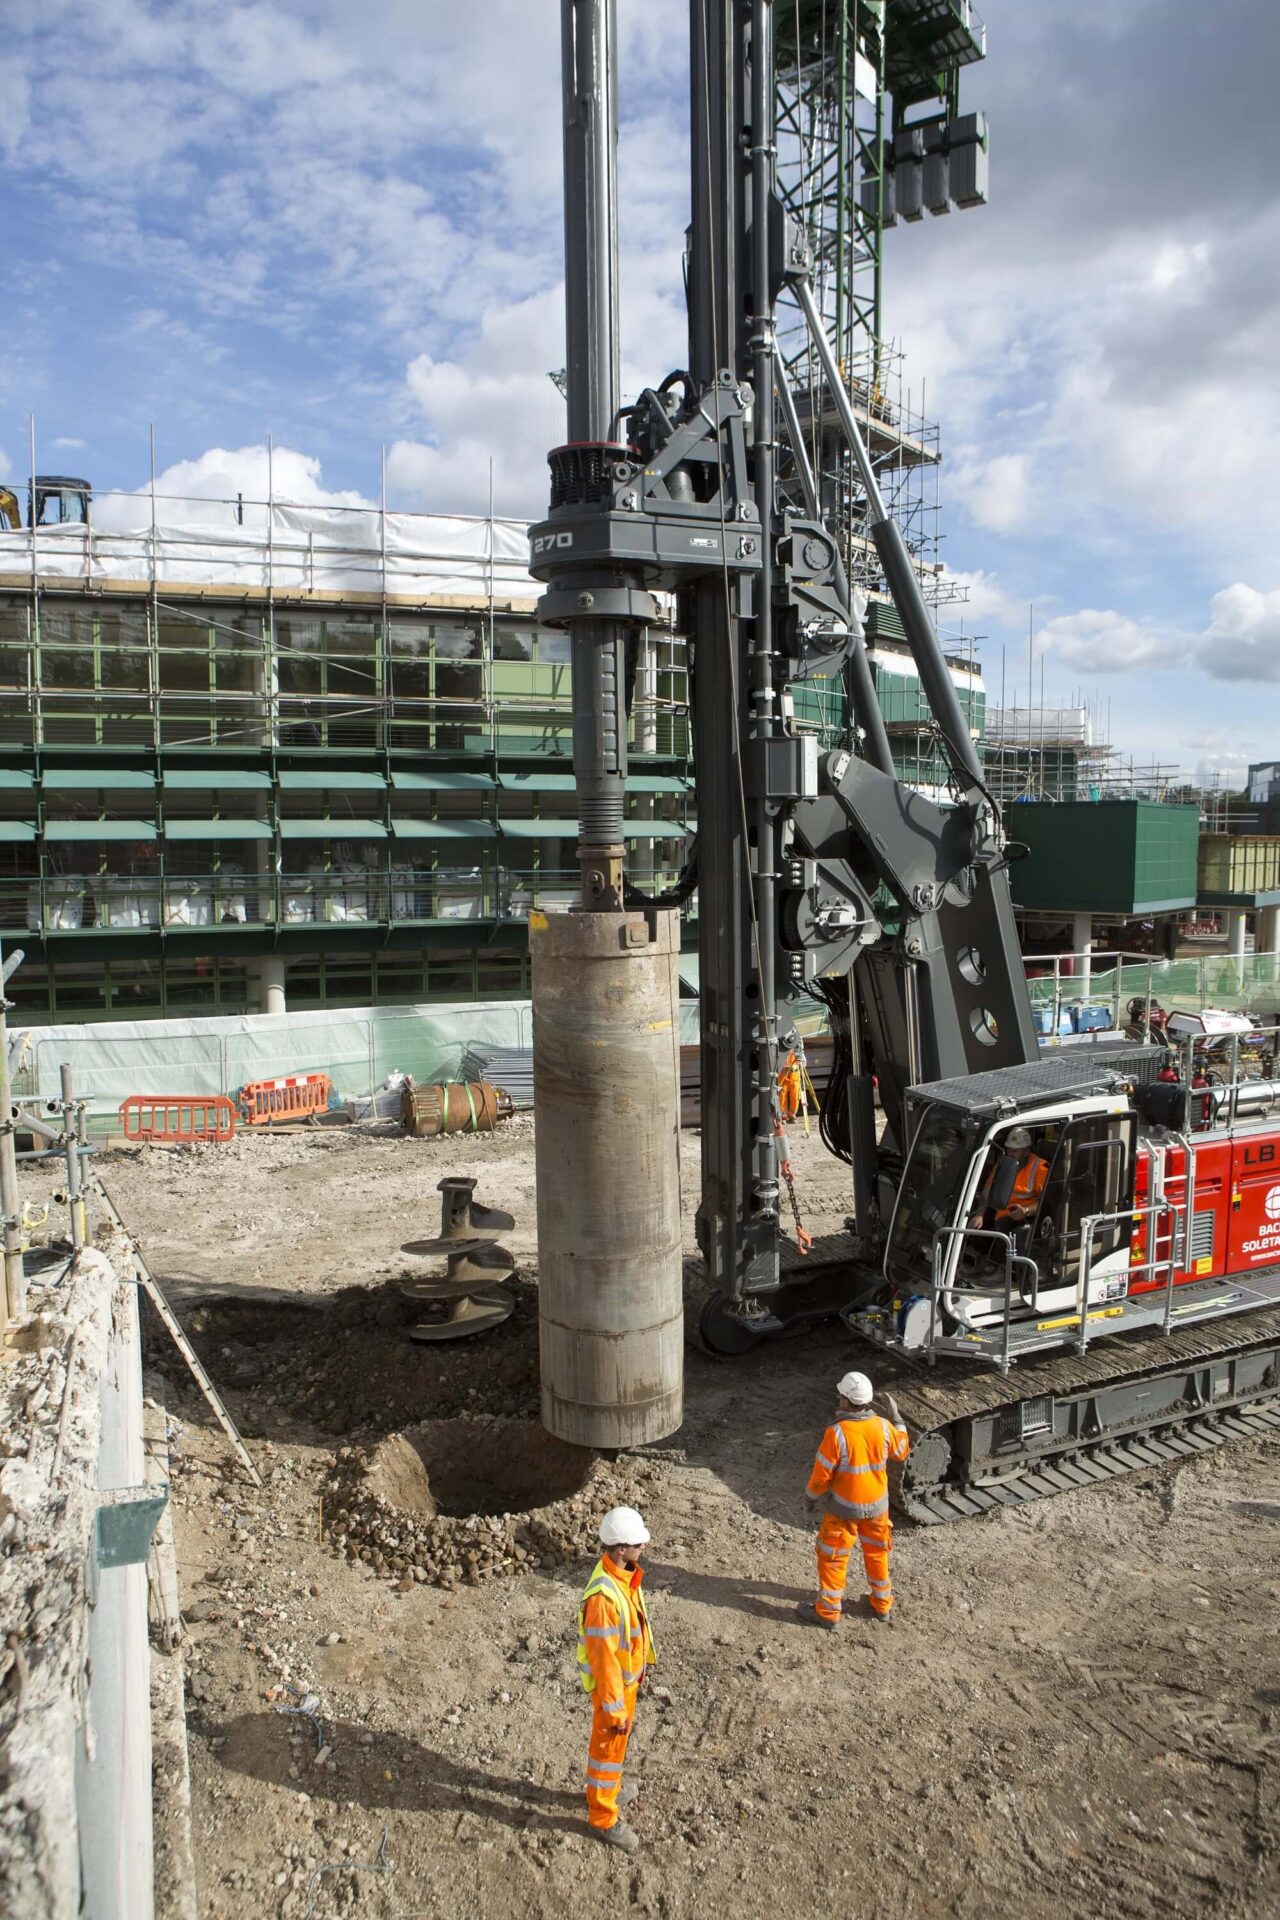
(460, 1467)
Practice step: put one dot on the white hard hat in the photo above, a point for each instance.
(1017, 1138)
(623, 1527)
(857, 1389)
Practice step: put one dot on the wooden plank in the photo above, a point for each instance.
(152, 1289)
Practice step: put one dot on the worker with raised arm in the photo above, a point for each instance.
(615, 1652)
(851, 1472)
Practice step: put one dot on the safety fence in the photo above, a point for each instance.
(177, 1118)
(1061, 985)
(362, 1049)
(292, 1096)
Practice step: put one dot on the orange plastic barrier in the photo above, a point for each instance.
(295, 1097)
(177, 1116)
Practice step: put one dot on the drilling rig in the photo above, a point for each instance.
(1144, 1251)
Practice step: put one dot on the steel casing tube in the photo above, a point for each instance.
(606, 1071)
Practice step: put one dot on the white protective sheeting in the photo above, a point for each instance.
(283, 548)
(358, 1047)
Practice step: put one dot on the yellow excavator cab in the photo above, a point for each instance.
(10, 511)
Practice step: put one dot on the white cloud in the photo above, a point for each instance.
(1240, 643)
(1242, 640)
(1177, 267)
(379, 190)
(1127, 387)
(15, 104)
(494, 401)
(205, 491)
(5, 468)
(986, 602)
(1224, 755)
(69, 445)
(995, 493)
(368, 183)
(1227, 772)
(1095, 640)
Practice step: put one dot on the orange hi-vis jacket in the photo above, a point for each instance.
(614, 1642)
(852, 1465)
(1027, 1187)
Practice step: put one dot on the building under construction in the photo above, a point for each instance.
(262, 755)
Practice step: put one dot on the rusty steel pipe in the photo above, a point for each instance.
(453, 1106)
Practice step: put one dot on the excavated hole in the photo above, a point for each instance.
(342, 1364)
(463, 1467)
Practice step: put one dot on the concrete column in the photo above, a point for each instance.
(262, 730)
(1237, 922)
(271, 983)
(606, 1075)
(1082, 947)
(1266, 930)
(646, 691)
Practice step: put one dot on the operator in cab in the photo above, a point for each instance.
(1028, 1184)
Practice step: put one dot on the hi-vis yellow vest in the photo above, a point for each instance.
(627, 1638)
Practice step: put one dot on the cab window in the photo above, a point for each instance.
(1091, 1174)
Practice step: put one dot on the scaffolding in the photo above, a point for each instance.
(241, 729)
(1054, 753)
(847, 71)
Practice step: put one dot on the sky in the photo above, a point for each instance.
(341, 228)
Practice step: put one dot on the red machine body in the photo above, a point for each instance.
(1235, 1207)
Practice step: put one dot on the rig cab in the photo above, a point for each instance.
(1041, 1207)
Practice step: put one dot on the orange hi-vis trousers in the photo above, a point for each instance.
(836, 1541)
(605, 1758)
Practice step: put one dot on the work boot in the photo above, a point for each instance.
(627, 1794)
(885, 1619)
(812, 1619)
(619, 1835)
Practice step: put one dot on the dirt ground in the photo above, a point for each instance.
(1076, 1710)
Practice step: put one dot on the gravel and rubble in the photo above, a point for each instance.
(1075, 1713)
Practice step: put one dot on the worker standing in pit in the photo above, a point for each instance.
(852, 1471)
(615, 1652)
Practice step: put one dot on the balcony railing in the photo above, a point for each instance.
(69, 903)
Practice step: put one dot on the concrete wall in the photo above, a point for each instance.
(75, 1731)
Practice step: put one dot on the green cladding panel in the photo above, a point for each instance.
(1104, 856)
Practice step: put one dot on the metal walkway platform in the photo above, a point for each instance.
(1192, 1302)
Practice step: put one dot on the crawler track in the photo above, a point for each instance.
(984, 1440)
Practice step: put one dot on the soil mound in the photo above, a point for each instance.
(458, 1501)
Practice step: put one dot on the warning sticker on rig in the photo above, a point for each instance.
(1073, 1319)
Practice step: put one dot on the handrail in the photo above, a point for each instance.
(1089, 1227)
(1012, 1259)
(113, 902)
(1251, 1092)
(1192, 980)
